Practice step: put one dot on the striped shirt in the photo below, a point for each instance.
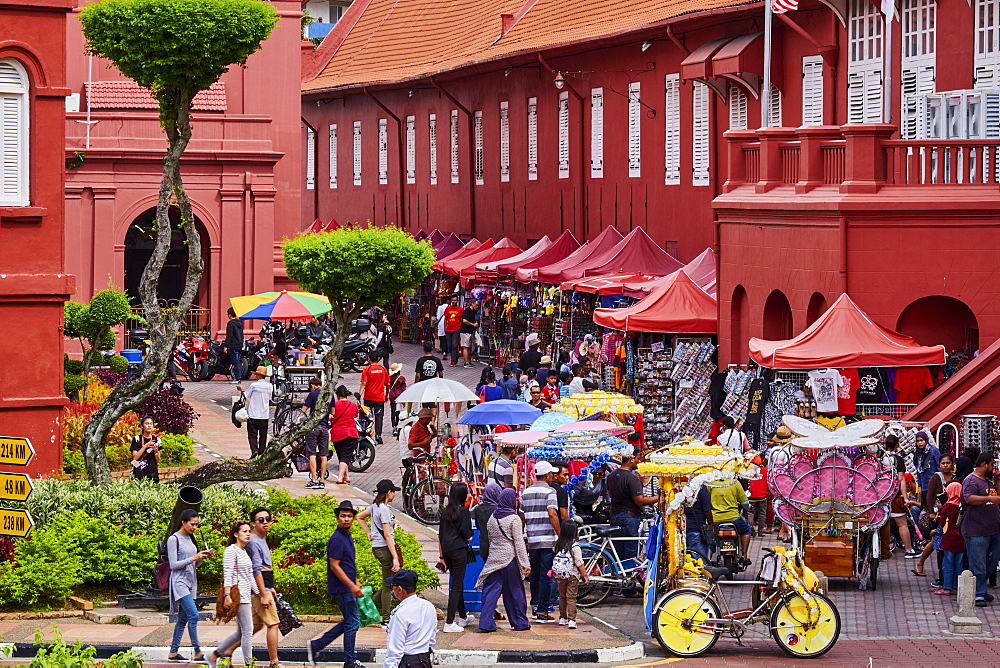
(237, 569)
(535, 503)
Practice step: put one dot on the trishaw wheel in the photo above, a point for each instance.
(427, 499)
(873, 570)
(599, 564)
(791, 629)
(677, 623)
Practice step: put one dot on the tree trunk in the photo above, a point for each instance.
(175, 117)
(271, 464)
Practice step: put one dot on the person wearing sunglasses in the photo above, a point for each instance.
(535, 399)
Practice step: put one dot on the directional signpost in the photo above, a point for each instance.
(15, 451)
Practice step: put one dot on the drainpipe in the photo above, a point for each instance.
(673, 38)
(582, 166)
(401, 146)
(315, 171)
(843, 254)
(472, 154)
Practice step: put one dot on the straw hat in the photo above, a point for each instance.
(394, 367)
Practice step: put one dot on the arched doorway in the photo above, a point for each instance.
(817, 307)
(140, 239)
(941, 320)
(737, 324)
(777, 317)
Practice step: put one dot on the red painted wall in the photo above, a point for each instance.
(33, 284)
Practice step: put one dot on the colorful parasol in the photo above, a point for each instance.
(282, 305)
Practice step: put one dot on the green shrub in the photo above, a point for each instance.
(71, 365)
(43, 571)
(118, 364)
(177, 450)
(73, 463)
(57, 654)
(72, 384)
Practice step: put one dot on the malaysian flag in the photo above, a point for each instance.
(782, 6)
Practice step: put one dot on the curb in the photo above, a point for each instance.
(451, 657)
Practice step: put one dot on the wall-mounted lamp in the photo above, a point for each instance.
(411, 92)
(646, 45)
(507, 72)
(559, 81)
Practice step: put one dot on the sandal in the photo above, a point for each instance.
(918, 573)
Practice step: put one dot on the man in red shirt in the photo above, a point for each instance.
(374, 390)
(422, 433)
(452, 325)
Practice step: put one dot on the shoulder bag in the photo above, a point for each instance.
(161, 571)
(222, 615)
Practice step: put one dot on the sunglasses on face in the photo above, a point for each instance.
(262, 520)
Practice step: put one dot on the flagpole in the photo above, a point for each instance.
(765, 93)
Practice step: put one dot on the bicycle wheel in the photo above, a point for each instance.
(678, 620)
(791, 629)
(600, 568)
(287, 419)
(364, 456)
(427, 499)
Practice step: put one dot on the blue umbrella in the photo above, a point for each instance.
(551, 420)
(501, 411)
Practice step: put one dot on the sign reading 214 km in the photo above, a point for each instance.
(15, 451)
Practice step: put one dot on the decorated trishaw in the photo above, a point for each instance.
(684, 605)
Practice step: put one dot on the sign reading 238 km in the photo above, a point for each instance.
(16, 523)
(15, 451)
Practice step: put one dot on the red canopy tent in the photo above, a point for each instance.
(420, 235)
(489, 269)
(636, 253)
(600, 246)
(317, 226)
(331, 226)
(844, 337)
(677, 306)
(454, 266)
(606, 285)
(564, 245)
(504, 249)
(468, 249)
(448, 246)
(435, 236)
(701, 270)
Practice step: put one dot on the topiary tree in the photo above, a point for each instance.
(174, 49)
(356, 268)
(92, 323)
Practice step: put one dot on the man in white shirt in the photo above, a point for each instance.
(732, 438)
(258, 396)
(412, 628)
(442, 334)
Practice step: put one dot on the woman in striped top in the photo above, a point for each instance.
(237, 570)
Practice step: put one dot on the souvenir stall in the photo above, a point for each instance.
(412, 315)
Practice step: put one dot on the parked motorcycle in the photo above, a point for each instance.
(189, 358)
(364, 453)
(139, 338)
(218, 361)
(727, 547)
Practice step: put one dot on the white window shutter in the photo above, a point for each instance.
(411, 149)
(504, 142)
(310, 157)
(383, 151)
(597, 133)
(14, 133)
(333, 155)
(634, 138)
(432, 147)
(701, 172)
(864, 65)
(563, 117)
(774, 110)
(672, 131)
(812, 90)
(357, 153)
(737, 108)
(987, 21)
(986, 77)
(477, 128)
(532, 138)
(454, 145)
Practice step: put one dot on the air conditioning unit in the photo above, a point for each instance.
(960, 114)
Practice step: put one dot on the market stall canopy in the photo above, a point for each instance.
(474, 246)
(448, 246)
(420, 235)
(316, 227)
(564, 246)
(637, 253)
(501, 411)
(331, 226)
(501, 250)
(520, 437)
(701, 270)
(844, 337)
(435, 236)
(490, 269)
(677, 306)
(606, 285)
(599, 247)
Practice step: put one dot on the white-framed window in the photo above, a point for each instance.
(310, 155)
(411, 149)
(383, 151)
(504, 141)
(864, 62)
(14, 133)
(432, 147)
(453, 132)
(333, 155)
(917, 76)
(597, 133)
(672, 130)
(774, 110)
(477, 131)
(634, 138)
(532, 138)
(701, 160)
(563, 116)
(357, 153)
(812, 90)
(737, 108)
(987, 51)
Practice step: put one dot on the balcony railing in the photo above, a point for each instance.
(856, 158)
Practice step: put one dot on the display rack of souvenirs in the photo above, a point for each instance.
(655, 391)
(691, 376)
(737, 389)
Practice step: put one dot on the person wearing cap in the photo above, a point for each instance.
(384, 547)
(540, 507)
(550, 391)
(531, 358)
(258, 396)
(375, 390)
(397, 385)
(422, 433)
(412, 630)
(343, 587)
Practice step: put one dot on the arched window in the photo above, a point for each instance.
(13, 134)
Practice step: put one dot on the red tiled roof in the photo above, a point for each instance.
(130, 95)
(393, 40)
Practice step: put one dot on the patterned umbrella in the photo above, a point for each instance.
(550, 421)
(282, 305)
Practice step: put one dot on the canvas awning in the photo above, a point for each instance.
(448, 246)
(564, 246)
(553, 273)
(611, 283)
(490, 269)
(844, 337)
(473, 246)
(466, 267)
(677, 306)
(636, 253)
(701, 270)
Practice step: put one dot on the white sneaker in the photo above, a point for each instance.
(571, 624)
(452, 628)
(563, 622)
(469, 618)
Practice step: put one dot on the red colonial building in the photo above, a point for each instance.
(33, 279)
(878, 174)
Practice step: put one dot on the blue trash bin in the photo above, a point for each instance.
(473, 596)
(132, 355)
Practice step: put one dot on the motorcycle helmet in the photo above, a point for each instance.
(302, 332)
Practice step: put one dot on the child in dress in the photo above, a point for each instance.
(952, 543)
(569, 570)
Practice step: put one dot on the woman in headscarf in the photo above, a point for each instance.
(506, 567)
(482, 514)
(952, 543)
(926, 459)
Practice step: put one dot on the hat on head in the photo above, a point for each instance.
(546, 359)
(425, 412)
(260, 371)
(543, 468)
(386, 485)
(394, 367)
(522, 379)
(346, 506)
(908, 477)
(783, 434)
(531, 339)
(406, 579)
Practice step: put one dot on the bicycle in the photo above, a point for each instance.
(425, 494)
(607, 570)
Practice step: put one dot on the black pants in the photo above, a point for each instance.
(456, 561)
(415, 660)
(378, 413)
(257, 435)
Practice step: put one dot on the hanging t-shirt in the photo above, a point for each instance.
(759, 394)
(845, 393)
(912, 384)
(824, 384)
(871, 387)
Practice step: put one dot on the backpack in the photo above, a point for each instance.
(562, 564)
